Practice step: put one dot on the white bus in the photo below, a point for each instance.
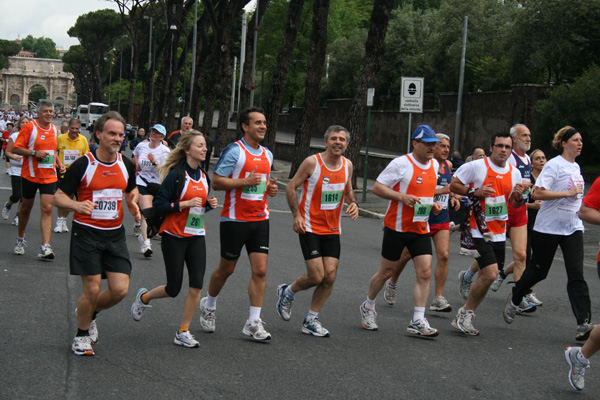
(95, 111)
(82, 114)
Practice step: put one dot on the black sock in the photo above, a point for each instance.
(501, 272)
(94, 316)
(81, 332)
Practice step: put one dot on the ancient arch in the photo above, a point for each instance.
(25, 73)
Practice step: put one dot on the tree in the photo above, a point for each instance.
(43, 47)
(281, 70)
(97, 32)
(576, 104)
(8, 48)
(374, 52)
(75, 62)
(318, 46)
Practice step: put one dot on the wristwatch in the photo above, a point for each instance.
(32, 153)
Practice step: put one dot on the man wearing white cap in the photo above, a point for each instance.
(147, 157)
(409, 183)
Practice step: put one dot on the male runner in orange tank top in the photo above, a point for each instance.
(327, 182)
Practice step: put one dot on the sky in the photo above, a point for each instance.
(47, 18)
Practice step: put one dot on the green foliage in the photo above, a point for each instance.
(343, 71)
(43, 47)
(37, 92)
(112, 92)
(8, 48)
(577, 105)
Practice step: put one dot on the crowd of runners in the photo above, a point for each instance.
(510, 194)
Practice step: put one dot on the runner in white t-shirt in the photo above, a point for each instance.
(147, 157)
(560, 185)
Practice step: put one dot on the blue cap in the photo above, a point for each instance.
(425, 133)
(161, 129)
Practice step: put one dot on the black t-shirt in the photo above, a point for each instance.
(71, 183)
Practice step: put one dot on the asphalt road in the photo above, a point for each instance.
(138, 360)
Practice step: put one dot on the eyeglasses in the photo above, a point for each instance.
(503, 146)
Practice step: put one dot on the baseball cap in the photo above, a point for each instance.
(425, 133)
(161, 129)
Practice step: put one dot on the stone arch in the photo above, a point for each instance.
(15, 99)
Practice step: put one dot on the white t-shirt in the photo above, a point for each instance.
(400, 168)
(15, 166)
(475, 172)
(148, 171)
(559, 217)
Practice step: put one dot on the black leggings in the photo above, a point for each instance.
(15, 183)
(175, 251)
(544, 247)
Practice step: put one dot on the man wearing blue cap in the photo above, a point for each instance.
(409, 183)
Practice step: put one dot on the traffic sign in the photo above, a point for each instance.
(411, 95)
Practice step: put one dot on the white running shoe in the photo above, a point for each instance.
(314, 327)
(137, 229)
(138, 306)
(368, 316)
(497, 283)
(577, 372)
(440, 304)
(463, 322)
(82, 346)
(20, 247)
(207, 317)
(58, 226)
(532, 298)
(464, 286)
(65, 229)
(93, 330)
(389, 294)
(145, 247)
(422, 328)
(15, 220)
(45, 253)
(5, 210)
(185, 339)
(256, 330)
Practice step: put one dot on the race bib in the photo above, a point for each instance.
(70, 156)
(145, 164)
(495, 209)
(255, 193)
(48, 161)
(108, 203)
(422, 211)
(442, 199)
(195, 221)
(331, 195)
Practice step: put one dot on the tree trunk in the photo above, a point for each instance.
(369, 74)
(280, 75)
(314, 74)
(246, 69)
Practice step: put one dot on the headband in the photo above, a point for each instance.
(568, 134)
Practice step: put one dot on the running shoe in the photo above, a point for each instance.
(137, 229)
(464, 286)
(583, 331)
(93, 330)
(532, 298)
(58, 226)
(526, 307)
(510, 311)
(422, 328)
(389, 294)
(497, 283)
(138, 306)
(314, 327)
(20, 247)
(440, 304)
(464, 322)
(368, 316)
(207, 317)
(65, 228)
(5, 210)
(185, 339)
(45, 253)
(256, 331)
(145, 247)
(577, 372)
(284, 303)
(82, 346)
(15, 220)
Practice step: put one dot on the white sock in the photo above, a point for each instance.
(254, 313)
(288, 292)
(211, 302)
(469, 275)
(419, 313)
(312, 315)
(147, 242)
(370, 303)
